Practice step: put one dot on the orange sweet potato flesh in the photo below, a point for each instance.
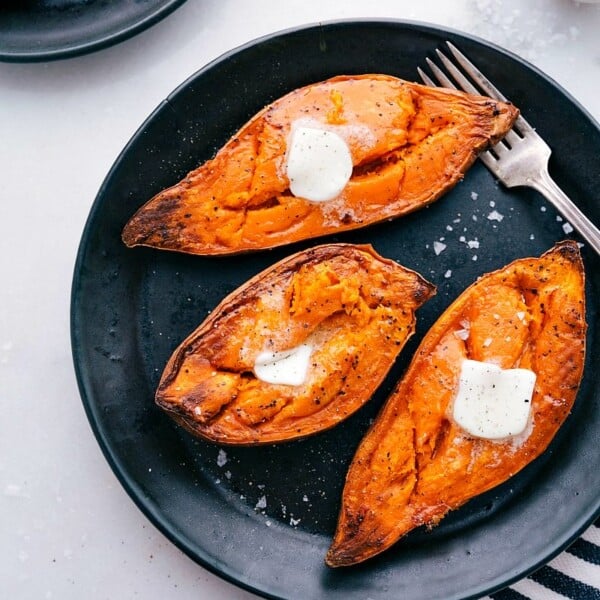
(415, 464)
(409, 144)
(344, 300)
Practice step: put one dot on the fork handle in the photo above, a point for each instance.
(549, 188)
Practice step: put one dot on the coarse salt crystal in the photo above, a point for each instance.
(473, 244)
(262, 502)
(492, 203)
(294, 522)
(567, 227)
(474, 257)
(222, 458)
(495, 216)
(462, 334)
(448, 274)
(438, 247)
(487, 342)
(559, 218)
(474, 195)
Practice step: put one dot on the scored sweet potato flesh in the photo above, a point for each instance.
(409, 144)
(355, 310)
(415, 464)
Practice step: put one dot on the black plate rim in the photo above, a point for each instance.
(110, 38)
(136, 494)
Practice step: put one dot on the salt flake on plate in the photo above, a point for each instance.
(438, 247)
(222, 458)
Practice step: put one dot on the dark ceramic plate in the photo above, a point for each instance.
(37, 30)
(263, 517)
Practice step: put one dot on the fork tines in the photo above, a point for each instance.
(478, 84)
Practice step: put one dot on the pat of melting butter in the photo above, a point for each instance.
(319, 163)
(491, 402)
(288, 367)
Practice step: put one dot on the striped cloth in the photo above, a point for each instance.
(573, 574)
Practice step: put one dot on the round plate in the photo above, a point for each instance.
(263, 517)
(36, 30)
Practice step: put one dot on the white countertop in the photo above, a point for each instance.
(68, 530)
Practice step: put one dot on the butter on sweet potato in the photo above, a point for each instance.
(409, 144)
(354, 308)
(415, 464)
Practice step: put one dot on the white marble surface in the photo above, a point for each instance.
(67, 529)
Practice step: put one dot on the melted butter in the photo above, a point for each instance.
(491, 402)
(319, 163)
(288, 367)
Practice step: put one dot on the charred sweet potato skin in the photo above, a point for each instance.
(342, 299)
(409, 144)
(415, 464)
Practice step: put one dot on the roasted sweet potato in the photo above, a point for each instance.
(341, 302)
(415, 463)
(408, 144)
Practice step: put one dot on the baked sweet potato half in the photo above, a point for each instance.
(296, 349)
(332, 156)
(416, 463)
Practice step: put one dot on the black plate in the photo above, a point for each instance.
(131, 308)
(36, 30)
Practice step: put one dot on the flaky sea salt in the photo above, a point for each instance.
(438, 247)
(462, 334)
(221, 458)
(448, 274)
(474, 195)
(473, 243)
(567, 227)
(495, 216)
(262, 502)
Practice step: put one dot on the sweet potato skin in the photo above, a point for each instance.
(345, 300)
(409, 143)
(415, 464)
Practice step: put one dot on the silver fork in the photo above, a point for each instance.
(521, 158)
